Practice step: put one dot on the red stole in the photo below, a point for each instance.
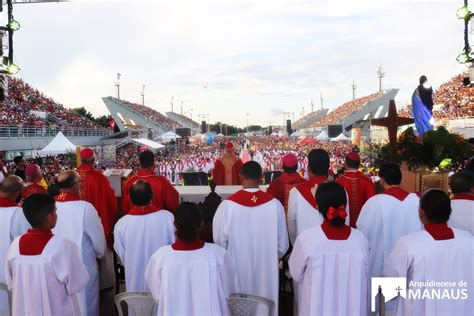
(143, 210)
(397, 193)
(463, 196)
(187, 246)
(4, 202)
(335, 232)
(439, 231)
(306, 188)
(33, 242)
(250, 199)
(67, 197)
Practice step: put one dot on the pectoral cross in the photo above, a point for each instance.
(254, 199)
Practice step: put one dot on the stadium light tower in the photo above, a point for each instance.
(142, 93)
(380, 74)
(354, 87)
(322, 100)
(117, 84)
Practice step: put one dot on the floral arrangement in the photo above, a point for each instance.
(437, 149)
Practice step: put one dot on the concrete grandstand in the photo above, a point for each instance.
(309, 119)
(356, 112)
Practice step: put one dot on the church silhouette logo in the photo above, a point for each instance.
(385, 289)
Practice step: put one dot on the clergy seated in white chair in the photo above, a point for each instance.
(386, 217)
(462, 202)
(251, 225)
(140, 233)
(437, 254)
(190, 277)
(330, 262)
(44, 271)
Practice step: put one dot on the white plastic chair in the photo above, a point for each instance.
(138, 303)
(4, 287)
(250, 305)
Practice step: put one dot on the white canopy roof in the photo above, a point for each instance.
(340, 137)
(322, 136)
(169, 136)
(296, 134)
(59, 145)
(148, 143)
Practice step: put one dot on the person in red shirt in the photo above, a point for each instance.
(33, 175)
(359, 187)
(281, 186)
(165, 196)
(227, 167)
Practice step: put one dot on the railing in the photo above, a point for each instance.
(15, 131)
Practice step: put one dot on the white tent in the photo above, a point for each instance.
(149, 143)
(59, 145)
(341, 137)
(169, 136)
(322, 136)
(296, 134)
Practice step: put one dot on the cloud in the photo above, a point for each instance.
(254, 56)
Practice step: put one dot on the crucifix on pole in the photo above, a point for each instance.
(392, 122)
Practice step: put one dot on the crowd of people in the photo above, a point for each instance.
(456, 99)
(150, 114)
(18, 109)
(337, 230)
(305, 119)
(345, 110)
(186, 119)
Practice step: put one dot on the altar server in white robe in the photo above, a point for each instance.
(140, 233)
(302, 208)
(44, 271)
(79, 222)
(329, 261)
(386, 217)
(12, 224)
(462, 201)
(438, 253)
(251, 225)
(190, 277)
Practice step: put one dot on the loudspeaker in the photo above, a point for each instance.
(270, 130)
(195, 178)
(183, 132)
(203, 127)
(334, 130)
(288, 126)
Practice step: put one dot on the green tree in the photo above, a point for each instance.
(82, 111)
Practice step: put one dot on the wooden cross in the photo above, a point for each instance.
(254, 199)
(392, 122)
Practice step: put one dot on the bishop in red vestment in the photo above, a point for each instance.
(33, 177)
(96, 190)
(359, 187)
(165, 196)
(281, 186)
(227, 168)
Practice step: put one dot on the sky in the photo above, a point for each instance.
(233, 57)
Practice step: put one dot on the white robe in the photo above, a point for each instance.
(462, 215)
(136, 238)
(384, 219)
(79, 222)
(256, 238)
(333, 274)
(302, 215)
(45, 284)
(196, 282)
(420, 258)
(12, 224)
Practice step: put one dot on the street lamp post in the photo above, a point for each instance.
(142, 93)
(117, 84)
(354, 87)
(380, 74)
(247, 114)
